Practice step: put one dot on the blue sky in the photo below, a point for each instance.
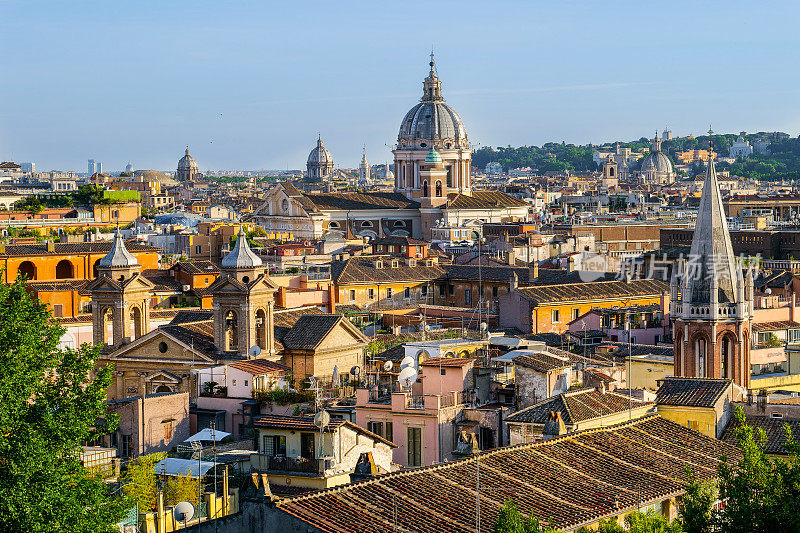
(249, 84)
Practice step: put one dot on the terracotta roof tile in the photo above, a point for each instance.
(540, 294)
(450, 362)
(773, 428)
(572, 481)
(576, 406)
(691, 392)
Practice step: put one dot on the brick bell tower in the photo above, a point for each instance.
(711, 303)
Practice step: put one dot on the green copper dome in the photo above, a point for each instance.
(433, 157)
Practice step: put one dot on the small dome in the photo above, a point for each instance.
(657, 162)
(187, 162)
(119, 256)
(433, 157)
(320, 155)
(241, 256)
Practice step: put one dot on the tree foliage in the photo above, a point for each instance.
(141, 482)
(510, 520)
(49, 406)
(180, 489)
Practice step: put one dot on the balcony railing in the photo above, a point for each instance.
(290, 464)
(415, 402)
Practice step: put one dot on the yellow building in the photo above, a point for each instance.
(700, 404)
(550, 308)
(384, 282)
(648, 370)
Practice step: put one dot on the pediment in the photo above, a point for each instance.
(342, 334)
(149, 348)
(137, 282)
(103, 283)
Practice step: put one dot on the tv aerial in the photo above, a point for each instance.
(254, 350)
(183, 512)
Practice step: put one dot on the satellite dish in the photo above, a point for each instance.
(407, 376)
(254, 350)
(322, 419)
(407, 361)
(768, 291)
(356, 370)
(183, 512)
(484, 326)
(387, 366)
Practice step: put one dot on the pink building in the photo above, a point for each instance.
(421, 421)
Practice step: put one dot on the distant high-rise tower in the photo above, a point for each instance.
(711, 302)
(92, 167)
(98, 167)
(363, 168)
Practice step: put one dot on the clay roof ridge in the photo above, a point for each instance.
(453, 464)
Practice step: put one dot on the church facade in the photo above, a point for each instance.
(243, 324)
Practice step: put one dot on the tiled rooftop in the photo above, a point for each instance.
(576, 406)
(573, 480)
(773, 428)
(691, 392)
(542, 294)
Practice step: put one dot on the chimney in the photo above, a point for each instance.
(51, 245)
(554, 426)
(513, 283)
(762, 400)
(512, 257)
(533, 270)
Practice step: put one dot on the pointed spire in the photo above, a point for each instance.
(118, 256)
(432, 87)
(241, 256)
(187, 149)
(712, 259)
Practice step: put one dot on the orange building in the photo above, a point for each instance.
(690, 156)
(49, 261)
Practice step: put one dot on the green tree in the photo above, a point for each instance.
(694, 509)
(141, 482)
(510, 520)
(49, 406)
(761, 493)
(180, 489)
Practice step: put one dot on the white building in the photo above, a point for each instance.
(740, 148)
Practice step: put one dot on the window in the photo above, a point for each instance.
(467, 296)
(198, 249)
(234, 382)
(442, 290)
(776, 415)
(576, 313)
(307, 445)
(395, 263)
(58, 310)
(274, 445)
(556, 316)
(442, 371)
(126, 445)
(495, 292)
(414, 445)
(451, 289)
(167, 429)
(388, 292)
(423, 290)
(162, 347)
(245, 383)
(371, 294)
(352, 295)
(407, 292)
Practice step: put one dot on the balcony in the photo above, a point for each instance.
(299, 465)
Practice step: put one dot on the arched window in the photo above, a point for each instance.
(27, 269)
(261, 329)
(425, 189)
(136, 323)
(285, 205)
(727, 352)
(366, 224)
(399, 224)
(108, 326)
(163, 388)
(700, 353)
(449, 176)
(231, 331)
(94, 268)
(333, 225)
(438, 189)
(64, 270)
